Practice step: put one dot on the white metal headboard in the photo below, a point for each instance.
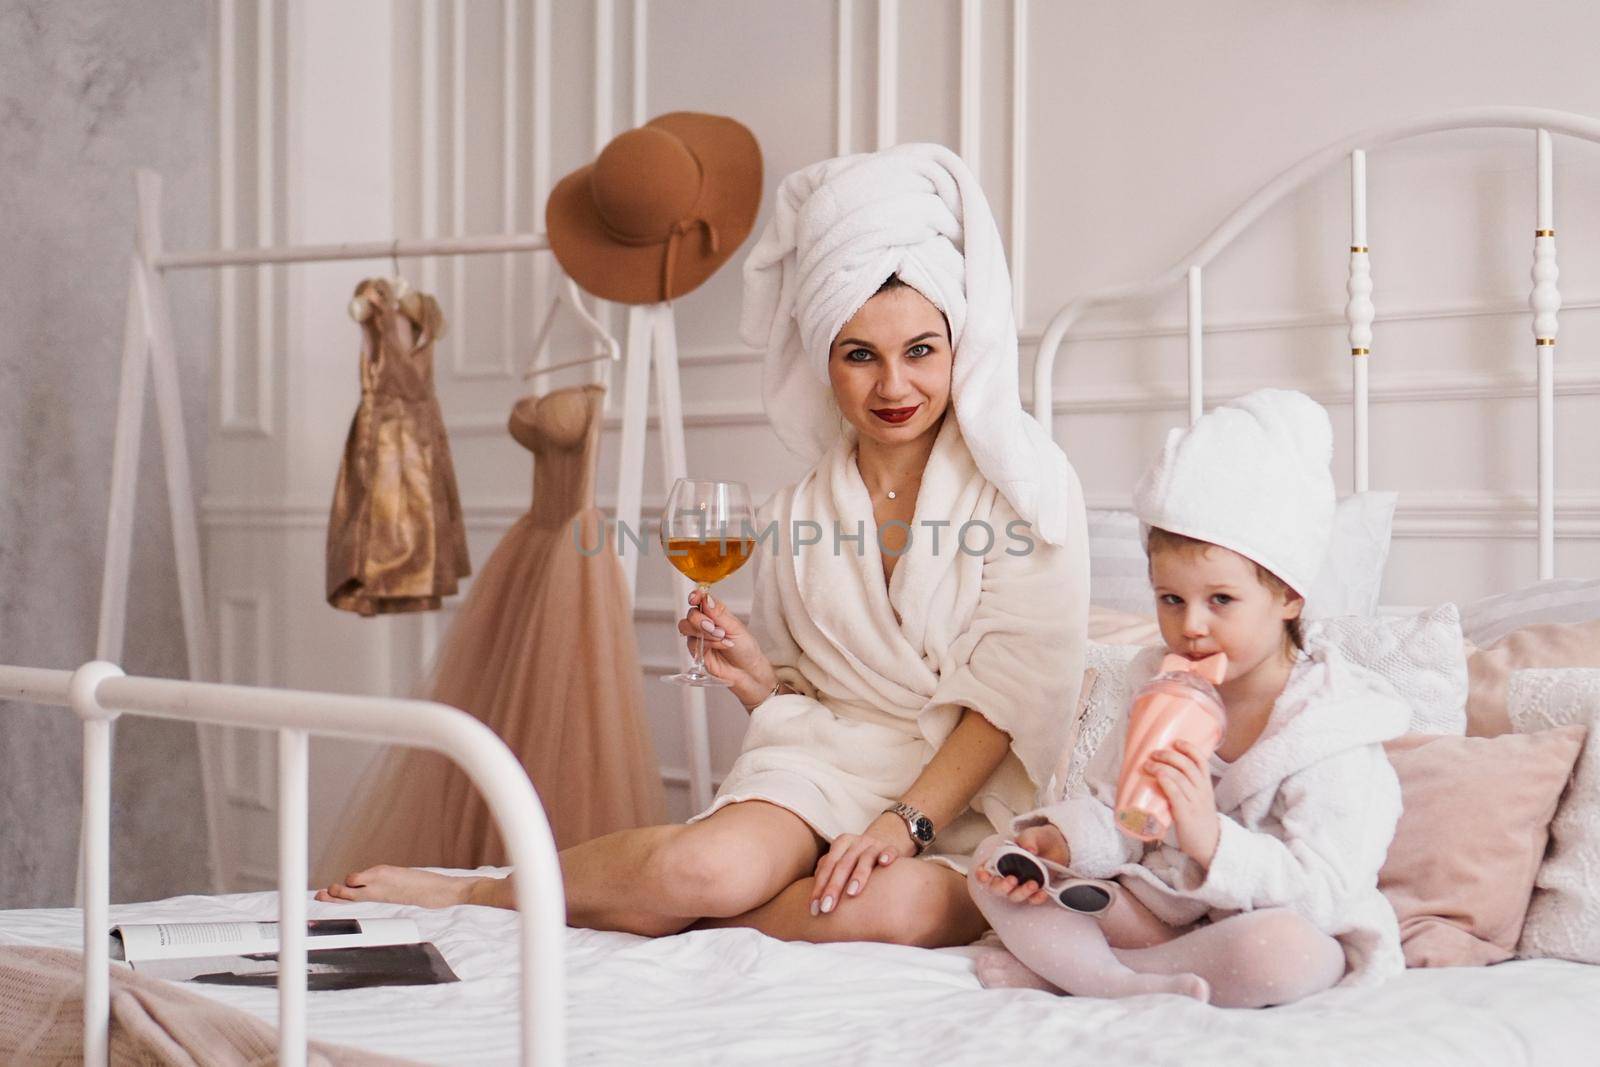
(1544, 298)
(99, 692)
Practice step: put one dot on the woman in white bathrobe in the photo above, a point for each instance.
(919, 618)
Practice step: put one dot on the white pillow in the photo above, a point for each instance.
(1563, 600)
(1422, 656)
(1564, 915)
(1351, 578)
(1119, 574)
(1348, 584)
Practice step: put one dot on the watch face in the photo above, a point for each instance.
(923, 829)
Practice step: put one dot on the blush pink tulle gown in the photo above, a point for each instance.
(543, 651)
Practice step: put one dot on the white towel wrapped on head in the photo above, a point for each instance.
(839, 229)
(1251, 475)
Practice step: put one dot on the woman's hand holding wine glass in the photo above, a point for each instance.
(732, 653)
(708, 532)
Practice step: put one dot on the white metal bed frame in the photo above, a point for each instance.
(1544, 298)
(98, 692)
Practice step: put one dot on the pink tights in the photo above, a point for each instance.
(1251, 960)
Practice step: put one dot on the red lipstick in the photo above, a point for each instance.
(895, 415)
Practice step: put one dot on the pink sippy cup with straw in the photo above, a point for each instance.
(1179, 704)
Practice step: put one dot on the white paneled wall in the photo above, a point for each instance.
(1110, 139)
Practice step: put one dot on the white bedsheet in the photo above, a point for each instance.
(736, 997)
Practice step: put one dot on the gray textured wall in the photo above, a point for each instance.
(89, 89)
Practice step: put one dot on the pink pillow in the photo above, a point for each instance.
(1476, 821)
(1574, 644)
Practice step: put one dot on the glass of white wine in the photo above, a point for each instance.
(708, 532)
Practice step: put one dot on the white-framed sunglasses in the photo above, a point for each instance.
(1086, 896)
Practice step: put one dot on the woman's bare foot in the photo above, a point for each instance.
(999, 969)
(402, 885)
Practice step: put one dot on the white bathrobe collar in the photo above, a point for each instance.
(950, 491)
(1351, 709)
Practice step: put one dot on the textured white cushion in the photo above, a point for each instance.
(1421, 655)
(1352, 574)
(1099, 710)
(1561, 600)
(1564, 916)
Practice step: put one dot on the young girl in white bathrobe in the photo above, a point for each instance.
(1265, 890)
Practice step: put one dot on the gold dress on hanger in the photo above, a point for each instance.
(396, 540)
(543, 651)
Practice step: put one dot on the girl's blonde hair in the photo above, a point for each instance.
(1166, 540)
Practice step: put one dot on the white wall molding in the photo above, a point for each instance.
(1019, 159)
(259, 362)
(641, 63)
(1330, 390)
(227, 210)
(888, 72)
(432, 33)
(605, 50)
(245, 634)
(269, 116)
(1433, 513)
(970, 97)
(1285, 320)
(730, 415)
(733, 354)
(1303, 320)
(541, 146)
(844, 78)
(1434, 387)
(510, 99)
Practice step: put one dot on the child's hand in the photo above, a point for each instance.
(1027, 893)
(1044, 841)
(1185, 779)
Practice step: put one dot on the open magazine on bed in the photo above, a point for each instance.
(340, 953)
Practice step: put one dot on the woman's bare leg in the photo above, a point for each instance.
(910, 902)
(655, 880)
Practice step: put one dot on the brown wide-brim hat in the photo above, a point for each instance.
(659, 210)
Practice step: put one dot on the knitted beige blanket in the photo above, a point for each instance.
(153, 1021)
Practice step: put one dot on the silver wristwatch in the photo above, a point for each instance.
(917, 824)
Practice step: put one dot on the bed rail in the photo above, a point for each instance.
(1544, 298)
(98, 692)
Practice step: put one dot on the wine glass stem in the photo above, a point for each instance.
(700, 646)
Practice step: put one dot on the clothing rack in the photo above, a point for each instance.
(149, 354)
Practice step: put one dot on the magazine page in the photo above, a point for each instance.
(143, 942)
(358, 967)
